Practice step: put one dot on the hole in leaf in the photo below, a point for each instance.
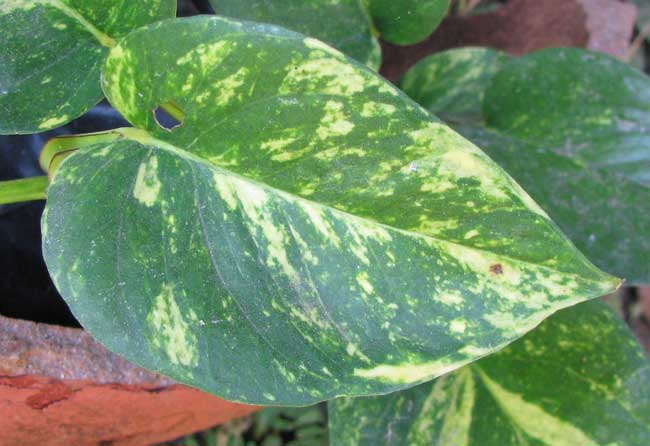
(169, 116)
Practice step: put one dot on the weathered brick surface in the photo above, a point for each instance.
(58, 387)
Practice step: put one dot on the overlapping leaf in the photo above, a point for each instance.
(405, 22)
(580, 379)
(306, 232)
(588, 106)
(576, 164)
(51, 54)
(452, 83)
(343, 24)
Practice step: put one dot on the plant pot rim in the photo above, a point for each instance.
(59, 387)
(64, 353)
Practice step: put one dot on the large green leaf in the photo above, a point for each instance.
(605, 211)
(343, 24)
(588, 106)
(52, 51)
(307, 232)
(405, 22)
(580, 379)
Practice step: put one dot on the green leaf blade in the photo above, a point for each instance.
(52, 52)
(407, 22)
(344, 24)
(310, 224)
(301, 257)
(588, 106)
(579, 379)
(452, 84)
(119, 20)
(329, 118)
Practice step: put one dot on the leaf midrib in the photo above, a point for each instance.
(143, 137)
(102, 38)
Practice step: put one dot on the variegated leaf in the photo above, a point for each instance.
(580, 379)
(556, 165)
(52, 51)
(343, 24)
(306, 219)
(451, 84)
(405, 22)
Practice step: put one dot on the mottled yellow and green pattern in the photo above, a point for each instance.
(344, 24)
(571, 126)
(52, 51)
(580, 379)
(307, 220)
(451, 84)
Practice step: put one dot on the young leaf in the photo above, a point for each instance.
(306, 219)
(344, 24)
(580, 379)
(405, 22)
(51, 54)
(575, 191)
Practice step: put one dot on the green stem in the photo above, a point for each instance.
(54, 151)
(26, 189)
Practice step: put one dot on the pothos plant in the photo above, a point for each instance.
(305, 231)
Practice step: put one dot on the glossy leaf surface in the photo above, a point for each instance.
(579, 379)
(306, 218)
(405, 22)
(344, 24)
(574, 188)
(51, 54)
(588, 106)
(451, 84)
(604, 214)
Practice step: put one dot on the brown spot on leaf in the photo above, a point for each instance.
(497, 268)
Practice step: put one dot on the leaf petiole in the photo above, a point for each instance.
(56, 149)
(25, 189)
